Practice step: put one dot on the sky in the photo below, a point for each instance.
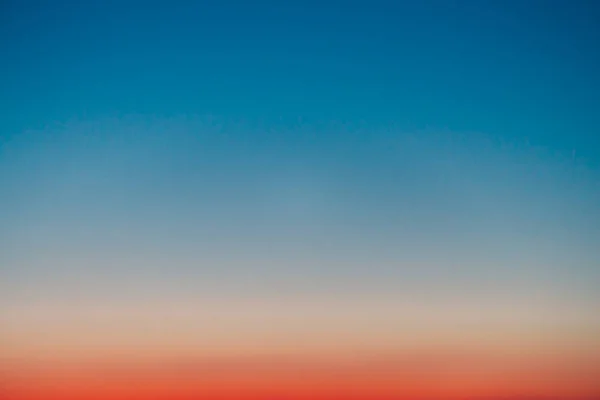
(394, 199)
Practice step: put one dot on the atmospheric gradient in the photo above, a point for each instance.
(299, 200)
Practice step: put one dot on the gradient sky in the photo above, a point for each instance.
(308, 176)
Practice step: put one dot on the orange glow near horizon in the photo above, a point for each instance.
(323, 350)
(414, 378)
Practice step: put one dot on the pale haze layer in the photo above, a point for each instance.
(115, 213)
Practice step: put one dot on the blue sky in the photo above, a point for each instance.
(513, 69)
(315, 141)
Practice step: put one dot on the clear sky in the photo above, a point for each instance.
(335, 169)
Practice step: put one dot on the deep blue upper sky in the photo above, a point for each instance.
(512, 69)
